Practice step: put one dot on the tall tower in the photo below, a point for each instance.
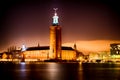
(55, 38)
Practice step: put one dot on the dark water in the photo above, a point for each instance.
(60, 71)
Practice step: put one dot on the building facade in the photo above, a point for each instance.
(42, 53)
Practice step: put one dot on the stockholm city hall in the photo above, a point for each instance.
(55, 51)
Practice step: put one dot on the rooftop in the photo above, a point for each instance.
(47, 48)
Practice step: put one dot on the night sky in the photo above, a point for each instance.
(28, 21)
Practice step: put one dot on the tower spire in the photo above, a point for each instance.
(55, 17)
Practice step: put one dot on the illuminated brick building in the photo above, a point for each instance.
(42, 53)
(53, 52)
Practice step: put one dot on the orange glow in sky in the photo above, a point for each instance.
(92, 46)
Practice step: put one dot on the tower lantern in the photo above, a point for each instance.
(55, 17)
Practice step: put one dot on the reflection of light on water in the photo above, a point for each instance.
(53, 69)
(80, 72)
(22, 63)
(22, 70)
(107, 68)
(80, 66)
(22, 67)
